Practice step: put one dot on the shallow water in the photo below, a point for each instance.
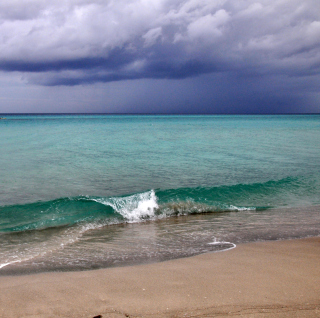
(153, 241)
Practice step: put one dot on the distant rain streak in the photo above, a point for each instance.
(160, 56)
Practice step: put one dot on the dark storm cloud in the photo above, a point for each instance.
(75, 42)
(154, 70)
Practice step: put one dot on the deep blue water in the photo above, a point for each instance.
(88, 191)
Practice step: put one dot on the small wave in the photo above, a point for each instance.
(154, 204)
(135, 207)
(9, 263)
(39, 242)
(191, 207)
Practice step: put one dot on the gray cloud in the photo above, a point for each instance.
(74, 42)
(160, 55)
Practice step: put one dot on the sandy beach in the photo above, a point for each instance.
(264, 279)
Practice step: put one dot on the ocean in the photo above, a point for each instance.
(80, 192)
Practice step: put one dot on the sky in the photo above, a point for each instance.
(160, 56)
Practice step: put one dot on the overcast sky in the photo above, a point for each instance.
(167, 56)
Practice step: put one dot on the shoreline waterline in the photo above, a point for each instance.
(262, 275)
(152, 241)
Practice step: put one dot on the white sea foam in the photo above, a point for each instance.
(215, 242)
(143, 206)
(237, 208)
(135, 207)
(9, 263)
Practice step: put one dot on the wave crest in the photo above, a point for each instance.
(134, 207)
(155, 204)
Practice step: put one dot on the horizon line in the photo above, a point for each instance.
(192, 114)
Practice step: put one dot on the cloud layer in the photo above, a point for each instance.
(75, 42)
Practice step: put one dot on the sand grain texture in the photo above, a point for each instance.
(264, 279)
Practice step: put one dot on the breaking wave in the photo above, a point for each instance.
(91, 212)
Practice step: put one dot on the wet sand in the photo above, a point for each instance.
(264, 279)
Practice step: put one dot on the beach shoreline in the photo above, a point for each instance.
(261, 279)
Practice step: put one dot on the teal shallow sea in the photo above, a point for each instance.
(88, 191)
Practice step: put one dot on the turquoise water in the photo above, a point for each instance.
(89, 191)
